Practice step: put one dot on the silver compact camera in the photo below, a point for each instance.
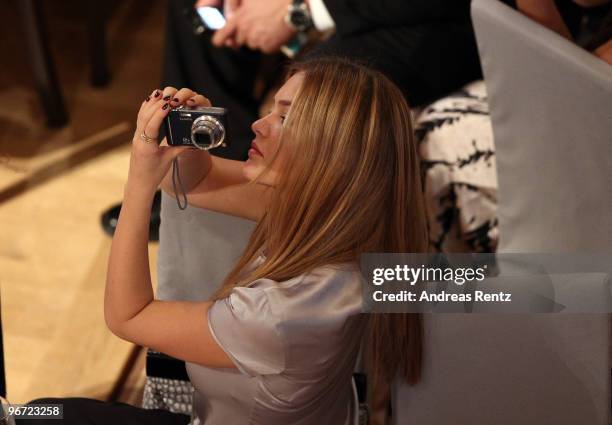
(201, 127)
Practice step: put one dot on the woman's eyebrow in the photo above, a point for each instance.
(283, 102)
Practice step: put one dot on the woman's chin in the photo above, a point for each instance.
(251, 170)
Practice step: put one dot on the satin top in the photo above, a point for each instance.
(294, 344)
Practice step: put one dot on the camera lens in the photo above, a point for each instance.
(207, 132)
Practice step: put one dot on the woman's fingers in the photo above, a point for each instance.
(156, 100)
(198, 100)
(147, 106)
(168, 93)
(156, 106)
(151, 127)
(181, 96)
(154, 96)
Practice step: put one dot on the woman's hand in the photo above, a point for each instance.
(604, 51)
(150, 162)
(258, 24)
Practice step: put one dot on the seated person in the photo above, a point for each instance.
(456, 139)
(587, 22)
(332, 173)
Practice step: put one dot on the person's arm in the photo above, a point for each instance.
(218, 184)
(214, 183)
(179, 329)
(604, 52)
(591, 3)
(546, 13)
(261, 25)
(357, 16)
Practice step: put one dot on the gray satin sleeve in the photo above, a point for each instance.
(245, 327)
(268, 327)
(295, 344)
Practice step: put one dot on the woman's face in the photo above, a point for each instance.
(267, 137)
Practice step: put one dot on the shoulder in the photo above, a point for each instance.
(335, 289)
(332, 277)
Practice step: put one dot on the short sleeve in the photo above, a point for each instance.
(245, 327)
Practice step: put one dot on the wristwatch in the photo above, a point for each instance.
(298, 16)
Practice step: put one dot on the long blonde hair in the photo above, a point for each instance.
(352, 186)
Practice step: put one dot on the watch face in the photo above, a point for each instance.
(299, 19)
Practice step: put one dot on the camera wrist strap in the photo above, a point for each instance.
(177, 176)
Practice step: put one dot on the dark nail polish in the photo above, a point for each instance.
(165, 106)
(157, 93)
(147, 99)
(175, 99)
(166, 97)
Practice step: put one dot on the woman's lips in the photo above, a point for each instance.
(254, 149)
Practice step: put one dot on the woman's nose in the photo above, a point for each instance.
(260, 127)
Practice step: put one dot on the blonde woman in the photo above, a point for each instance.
(332, 173)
